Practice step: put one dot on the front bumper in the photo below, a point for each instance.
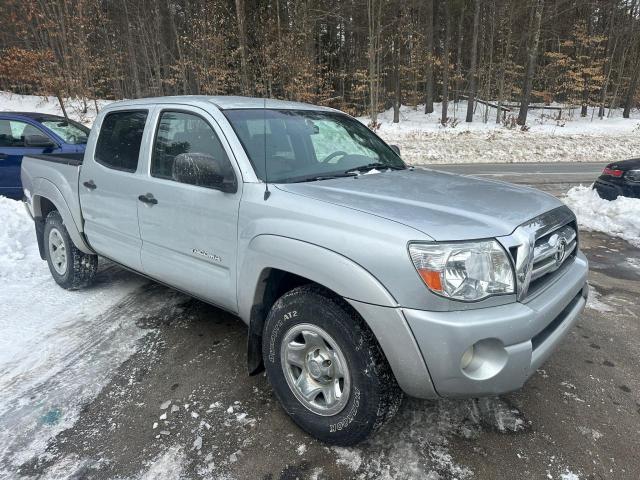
(511, 341)
(425, 349)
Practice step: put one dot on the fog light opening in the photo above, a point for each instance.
(467, 357)
(484, 359)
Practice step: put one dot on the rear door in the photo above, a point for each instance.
(189, 232)
(109, 184)
(12, 149)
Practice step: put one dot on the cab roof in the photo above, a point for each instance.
(223, 102)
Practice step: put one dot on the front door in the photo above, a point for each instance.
(189, 232)
(109, 185)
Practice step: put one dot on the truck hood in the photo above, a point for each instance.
(441, 205)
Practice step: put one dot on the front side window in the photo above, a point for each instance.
(188, 150)
(12, 133)
(301, 145)
(71, 132)
(118, 144)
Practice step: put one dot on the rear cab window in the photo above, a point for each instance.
(120, 139)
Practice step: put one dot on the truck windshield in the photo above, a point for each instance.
(308, 145)
(71, 132)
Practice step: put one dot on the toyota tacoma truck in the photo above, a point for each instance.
(359, 278)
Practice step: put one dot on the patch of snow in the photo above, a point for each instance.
(594, 302)
(417, 444)
(165, 405)
(590, 432)
(197, 443)
(619, 218)
(302, 448)
(168, 466)
(349, 457)
(569, 475)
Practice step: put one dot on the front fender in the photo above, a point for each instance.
(318, 264)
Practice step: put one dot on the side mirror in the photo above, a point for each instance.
(38, 141)
(396, 149)
(204, 170)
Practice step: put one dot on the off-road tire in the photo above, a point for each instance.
(80, 267)
(374, 396)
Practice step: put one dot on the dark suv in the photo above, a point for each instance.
(619, 179)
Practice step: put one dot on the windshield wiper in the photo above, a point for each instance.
(371, 166)
(318, 178)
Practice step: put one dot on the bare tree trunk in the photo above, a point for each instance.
(458, 74)
(531, 64)
(61, 102)
(473, 81)
(374, 14)
(396, 68)
(241, 16)
(633, 87)
(506, 24)
(428, 101)
(609, 53)
(445, 62)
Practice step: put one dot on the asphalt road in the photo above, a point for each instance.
(549, 176)
(577, 417)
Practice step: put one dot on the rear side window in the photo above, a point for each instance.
(118, 145)
(180, 132)
(12, 133)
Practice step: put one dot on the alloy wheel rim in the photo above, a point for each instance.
(315, 369)
(57, 252)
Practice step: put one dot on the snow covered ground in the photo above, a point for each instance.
(57, 348)
(422, 140)
(620, 217)
(12, 102)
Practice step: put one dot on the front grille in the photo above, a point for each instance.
(552, 250)
(541, 248)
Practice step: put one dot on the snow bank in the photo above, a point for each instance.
(620, 217)
(19, 257)
(422, 140)
(33, 103)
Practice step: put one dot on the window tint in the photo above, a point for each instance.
(183, 133)
(12, 133)
(119, 142)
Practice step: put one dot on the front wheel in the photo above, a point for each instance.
(327, 368)
(71, 268)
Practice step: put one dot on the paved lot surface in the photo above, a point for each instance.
(578, 416)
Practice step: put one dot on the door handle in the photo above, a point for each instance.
(148, 199)
(3, 156)
(90, 185)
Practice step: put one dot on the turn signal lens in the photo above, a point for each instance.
(431, 278)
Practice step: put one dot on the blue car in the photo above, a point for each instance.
(24, 133)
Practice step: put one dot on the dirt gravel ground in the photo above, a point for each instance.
(183, 407)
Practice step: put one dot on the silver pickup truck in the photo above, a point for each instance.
(359, 277)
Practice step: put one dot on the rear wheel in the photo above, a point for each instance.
(71, 268)
(327, 368)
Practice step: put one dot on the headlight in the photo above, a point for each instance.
(465, 271)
